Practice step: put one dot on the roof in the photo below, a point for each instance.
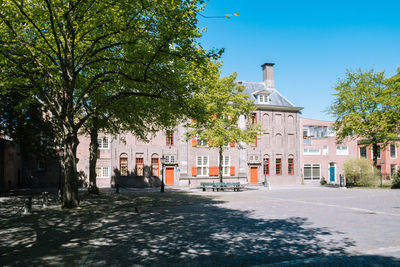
(276, 99)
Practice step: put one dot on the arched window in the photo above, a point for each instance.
(123, 164)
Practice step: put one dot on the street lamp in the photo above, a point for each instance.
(162, 159)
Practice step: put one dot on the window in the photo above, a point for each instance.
(170, 159)
(155, 167)
(202, 165)
(393, 153)
(41, 165)
(278, 166)
(342, 150)
(226, 164)
(325, 150)
(253, 158)
(363, 152)
(312, 171)
(170, 138)
(102, 172)
(202, 143)
(311, 151)
(315, 131)
(123, 165)
(266, 166)
(291, 166)
(139, 166)
(103, 143)
(263, 99)
(254, 122)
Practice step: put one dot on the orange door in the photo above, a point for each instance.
(169, 176)
(253, 175)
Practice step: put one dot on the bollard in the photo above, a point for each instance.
(28, 205)
(45, 199)
(117, 188)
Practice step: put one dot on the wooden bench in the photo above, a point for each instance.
(236, 186)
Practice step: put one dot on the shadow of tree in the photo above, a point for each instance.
(174, 228)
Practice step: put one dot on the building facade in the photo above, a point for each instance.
(274, 156)
(322, 157)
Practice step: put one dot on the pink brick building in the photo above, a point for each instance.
(321, 156)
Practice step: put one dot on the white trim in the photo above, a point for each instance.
(395, 151)
(342, 150)
(102, 143)
(202, 166)
(103, 170)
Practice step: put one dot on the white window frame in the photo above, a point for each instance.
(325, 150)
(203, 167)
(202, 143)
(104, 143)
(104, 172)
(312, 151)
(226, 165)
(342, 150)
(263, 99)
(395, 151)
(170, 159)
(359, 152)
(314, 165)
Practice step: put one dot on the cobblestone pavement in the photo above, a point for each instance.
(296, 226)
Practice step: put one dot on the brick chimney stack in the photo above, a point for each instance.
(268, 74)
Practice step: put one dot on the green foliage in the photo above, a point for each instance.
(365, 107)
(360, 172)
(396, 181)
(323, 181)
(221, 106)
(121, 60)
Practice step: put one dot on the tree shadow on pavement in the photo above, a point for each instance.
(174, 228)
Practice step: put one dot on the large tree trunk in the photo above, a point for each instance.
(70, 197)
(93, 132)
(220, 164)
(375, 153)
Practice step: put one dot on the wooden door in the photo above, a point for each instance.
(253, 175)
(169, 176)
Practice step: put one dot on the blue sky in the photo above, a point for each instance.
(312, 43)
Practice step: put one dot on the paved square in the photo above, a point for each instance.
(285, 226)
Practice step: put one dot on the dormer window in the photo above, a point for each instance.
(263, 99)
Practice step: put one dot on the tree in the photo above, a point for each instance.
(224, 105)
(81, 56)
(364, 108)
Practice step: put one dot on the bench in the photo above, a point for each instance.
(236, 186)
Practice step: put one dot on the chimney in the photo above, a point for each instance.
(268, 74)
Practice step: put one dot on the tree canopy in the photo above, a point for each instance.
(77, 57)
(365, 107)
(223, 120)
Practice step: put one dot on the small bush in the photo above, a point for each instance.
(323, 181)
(396, 180)
(360, 172)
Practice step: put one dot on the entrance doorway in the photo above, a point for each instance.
(253, 175)
(332, 172)
(169, 176)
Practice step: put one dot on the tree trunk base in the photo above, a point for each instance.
(93, 190)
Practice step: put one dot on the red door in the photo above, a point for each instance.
(169, 176)
(253, 175)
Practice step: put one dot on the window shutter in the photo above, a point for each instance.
(232, 144)
(232, 170)
(213, 171)
(194, 142)
(194, 171)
